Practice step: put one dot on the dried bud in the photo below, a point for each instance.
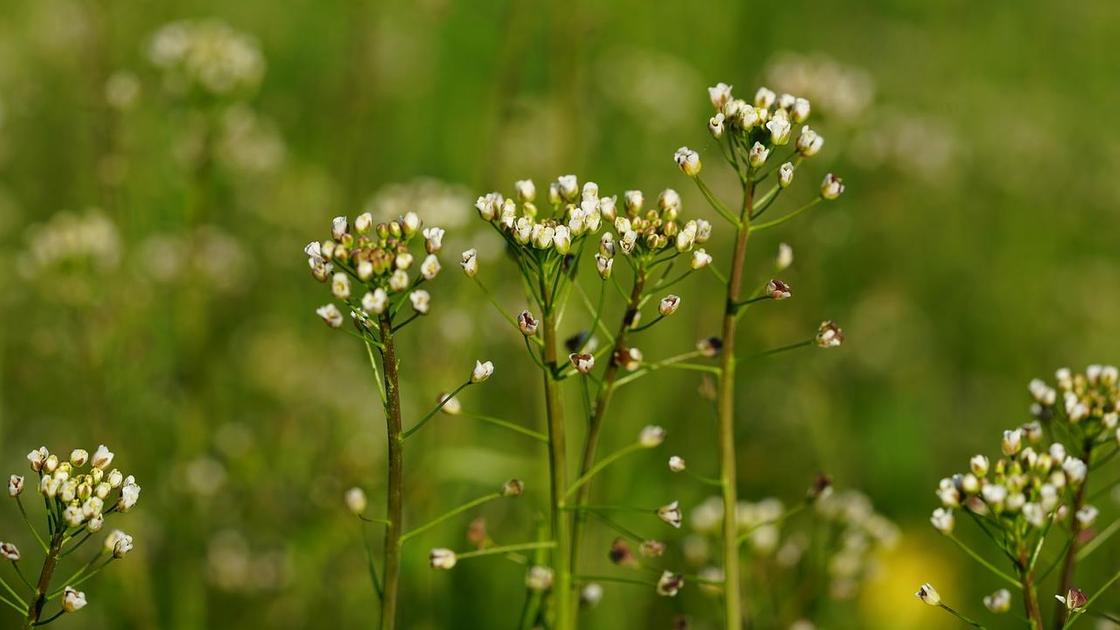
(482, 371)
(103, 457)
(73, 600)
(652, 548)
(338, 228)
(669, 305)
(829, 335)
(710, 347)
(513, 488)
(1074, 599)
(670, 584)
(15, 485)
(356, 501)
(604, 266)
(9, 551)
(441, 558)
(79, 457)
(778, 290)
(715, 126)
(671, 514)
(758, 154)
(582, 362)
(620, 553)
(527, 323)
(38, 458)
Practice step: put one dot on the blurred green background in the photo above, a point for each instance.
(155, 297)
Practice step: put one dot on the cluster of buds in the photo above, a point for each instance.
(642, 233)
(758, 129)
(207, 54)
(1087, 403)
(575, 213)
(368, 266)
(1021, 492)
(81, 498)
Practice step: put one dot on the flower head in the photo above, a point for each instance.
(671, 514)
(669, 305)
(676, 463)
(999, 601)
(669, 584)
(482, 371)
(929, 595)
(829, 335)
(441, 558)
(15, 485)
(356, 501)
(73, 600)
(9, 551)
(651, 436)
(831, 187)
(583, 362)
(942, 520)
(688, 161)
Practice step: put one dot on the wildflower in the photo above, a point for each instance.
(115, 478)
(340, 285)
(948, 493)
(15, 485)
(37, 458)
(330, 314)
(620, 553)
(1012, 442)
(652, 548)
(430, 267)
(73, 600)
(999, 601)
(929, 595)
(363, 223)
(715, 126)
(9, 551)
(421, 301)
(979, 465)
(1075, 470)
(1074, 599)
(700, 259)
(526, 190)
(102, 457)
(669, 584)
(671, 514)
(339, 228)
(482, 371)
(780, 130)
(488, 205)
(95, 524)
(829, 335)
(764, 97)
(469, 263)
(356, 501)
(604, 266)
(831, 187)
(676, 464)
(582, 362)
(669, 305)
(79, 457)
(943, 520)
(374, 302)
(784, 258)
(809, 143)
(785, 174)
(130, 494)
(591, 594)
(513, 488)
(758, 154)
(778, 290)
(441, 558)
(710, 347)
(568, 187)
(527, 323)
(720, 94)
(799, 113)
(122, 545)
(651, 436)
(539, 578)
(1086, 516)
(449, 404)
(688, 161)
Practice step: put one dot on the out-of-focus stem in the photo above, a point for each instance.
(733, 612)
(1030, 595)
(394, 500)
(557, 456)
(602, 402)
(1069, 565)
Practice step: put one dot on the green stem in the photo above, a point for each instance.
(603, 463)
(715, 202)
(443, 517)
(960, 616)
(781, 220)
(989, 566)
(557, 456)
(395, 497)
(446, 399)
(505, 424)
(489, 551)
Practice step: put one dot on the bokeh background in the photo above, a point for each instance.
(154, 296)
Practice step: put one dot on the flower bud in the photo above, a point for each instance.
(374, 302)
(929, 595)
(671, 514)
(582, 362)
(568, 186)
(591, 594)
(651, 548)
(441, 558)
(998, 602)
(710, 347)
(525, 189)
(482, 371)
(1012, 441)
(340, 285)
(764, 98)
(780, 130)
(79, 457)
(785, 174)
(15, 485)
(669, 584)
(676, 464)
(829, 335)
(784, 258)
(620, 553)
(73, 600)
(604, 266)
(410, 223)
(809, 143)
(122, 546)
(338, 228)
(330, 314)
(9, 551)
(1086, 516)
(632, 200)
(831, 187)
(758, 154)
(363, 223)
(778, 290)
(469, 263)
(527, 323)
(1075, 470)
(539, 578)
(700, 259)
(719, 94)
(513, 488)
(1074, 599)
(450, 405)
(799, 112)
(942, 520)
(715, 126)
(688, 161)
(562, 239)
(356, 501)
(37, 458)
(979, 465)
(103, 457)
(669, 305)
(433, 239)
(651, 436)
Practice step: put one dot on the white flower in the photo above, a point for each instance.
(433, 239)
(340, 285)
(429, 269)
(525, 189)
(784, 258)
(95, 524)
(671, 514)
(539, 578)
(758, 154)
(591, 594)
(669, 584)
(785, 174)
(651, 436)
(1012, 442)
(398, 281)
(688, 161)
(102, 457)
(993, 494)
(482, 371)
(37, 458)
(356, 501)
(568, 187)
(79, 457)
(948, 494)
(676, 463)
(330, 314)
(441, 558)
(73, 600)
(363, 222)
(115, 478)
(122, 546)
(669, 305)
(92, 507)
(943, 520)
(562, 239)
(1086, 516)
(780, 130)
(720, 94)
(829, 335)
(831, 187)
(488, 205)
(809, 143)
(1075, 470)
(450, 404)
(374, 302)
(73, 516)
(338, 227)
(15, 485)
(9, 551)
(469, 263)
(1074, 599)
(999, 601)
(799, 113)
(527, 324)
(764, 97)
(130, 494)
(979, 465)
(715, 126)
(929, 595)
(410, 222)
(700, 259)
(604, 266)
(403, 260)
(582, 362)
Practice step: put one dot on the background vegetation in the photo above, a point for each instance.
(974, 249)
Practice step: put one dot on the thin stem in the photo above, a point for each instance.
(376, 371)
(450, 513)
(956, 614)
(1069, 565)
(558, 475)
(373, 578)
(1098, 540)
(653, 367)
(781, 220)
(989, 566)
(23, 512)
(12, 591)
(743, 537)
(443, 402)
(489, 551)
(505, 424)
(786, 348)
(584, 579)
(715, 202)
(395, 495)
(606, 461)
(51, 618)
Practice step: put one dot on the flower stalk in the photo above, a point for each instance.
(395, 481)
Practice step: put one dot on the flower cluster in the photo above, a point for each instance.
(81, 498)
(71, 241)
(643, 234)
(1086, 405)
(575, 212)
(207, 54)
(368, 266)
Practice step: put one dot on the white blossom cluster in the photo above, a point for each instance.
(81, 497)
(643, 234)
(208, 55)
(1086, 403)
(575, 212)
(370, 266)
(70, 240)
